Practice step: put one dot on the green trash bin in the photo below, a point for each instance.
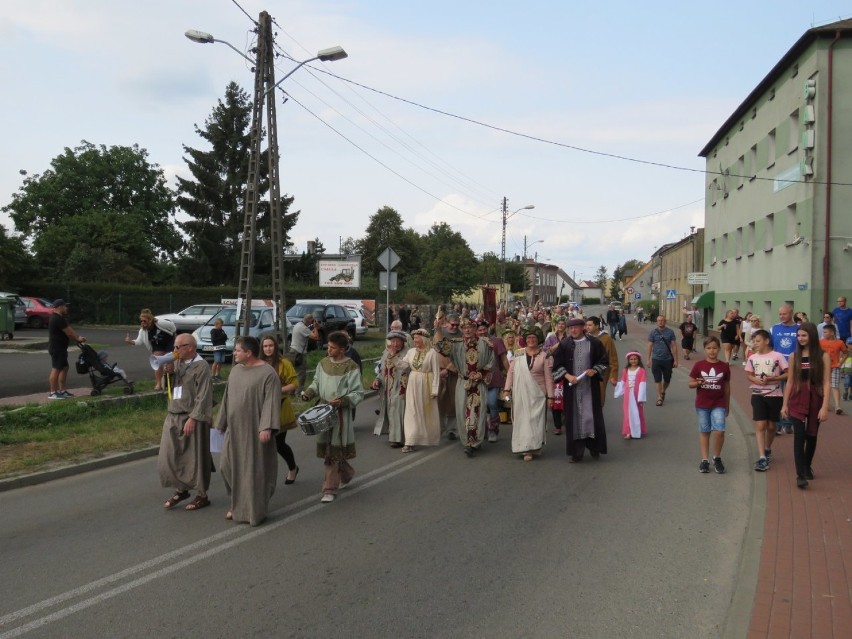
(7, 318)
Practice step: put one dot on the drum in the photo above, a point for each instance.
(318, 419)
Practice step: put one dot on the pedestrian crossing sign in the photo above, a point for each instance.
(671, 294)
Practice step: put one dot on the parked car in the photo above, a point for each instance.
(360, 321)
(193, 317)
(262, 321)
(38, 311)
(20, 309)
(329, 317)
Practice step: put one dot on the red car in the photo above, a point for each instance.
(38, 311)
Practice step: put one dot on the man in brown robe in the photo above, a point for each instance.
(610, 374)
(185, 461)
(249, 417)
(447, 327)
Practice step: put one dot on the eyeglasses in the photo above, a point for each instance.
(182, 345)
(451, 324)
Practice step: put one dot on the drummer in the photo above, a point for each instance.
(337, 382)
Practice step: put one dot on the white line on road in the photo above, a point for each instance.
(384, 473)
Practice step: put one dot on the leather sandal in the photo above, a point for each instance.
(175, 499)
(198, 503)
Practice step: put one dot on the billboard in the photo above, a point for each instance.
(340, 273)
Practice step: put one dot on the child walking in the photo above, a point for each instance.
(765, 370)
(806, 398)
(836, 350)
(633, 387)
(712, 380)
(846, 371)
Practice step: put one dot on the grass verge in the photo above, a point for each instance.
(40, 437)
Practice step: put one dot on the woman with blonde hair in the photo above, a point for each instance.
(158, 336)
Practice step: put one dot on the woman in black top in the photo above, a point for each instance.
(729, 329)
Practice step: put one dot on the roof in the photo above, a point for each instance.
(808, 38)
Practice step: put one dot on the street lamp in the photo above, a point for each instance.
(264, 72)
(202, 37)
(535, 272)
(503, 246)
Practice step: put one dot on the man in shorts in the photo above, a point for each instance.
(60, 334)
(711, 378)
(662, 356)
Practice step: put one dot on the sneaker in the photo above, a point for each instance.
(342, 485)
(65, 393)
(838, 411)
(788, 429)
(779, 431)
(557, 431)
(735, 357)
(492, 437)
(56, 396)
(452, 436)
(704, 466)
(718, 466)
(768, 454)
(761, 465)
(801, 482)
(327, 499)
(809, 473)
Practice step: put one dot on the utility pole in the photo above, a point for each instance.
(503, 254)
(264, 84)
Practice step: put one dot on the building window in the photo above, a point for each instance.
(750, 236)
(769, 233)
(770, 149)
(793, 142)
(723, 250)
(795, 70)
(712, 252)
(740, 172)
(792, 233)
(752, 162)
(739, 243)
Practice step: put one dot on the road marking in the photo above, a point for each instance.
(364, 482)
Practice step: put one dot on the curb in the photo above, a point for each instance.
(42, 477)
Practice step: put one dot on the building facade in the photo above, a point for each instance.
(777, 221)
(677, 260)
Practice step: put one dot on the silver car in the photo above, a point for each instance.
(262, 321)
(192, 317)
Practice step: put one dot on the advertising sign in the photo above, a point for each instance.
(340, 274)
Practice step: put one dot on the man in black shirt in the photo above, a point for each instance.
(59, 336)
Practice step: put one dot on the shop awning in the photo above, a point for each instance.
(705, 300)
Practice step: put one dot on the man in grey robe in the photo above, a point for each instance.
(447, 328)
(249, 418)
(185, 461)
(585, 359)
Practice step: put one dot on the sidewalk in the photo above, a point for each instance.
(803, 584)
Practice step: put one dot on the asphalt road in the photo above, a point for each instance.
(431, 544)
(25, 372)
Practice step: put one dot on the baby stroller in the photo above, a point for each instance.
(100, 371)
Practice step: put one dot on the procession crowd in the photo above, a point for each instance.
(466, 378)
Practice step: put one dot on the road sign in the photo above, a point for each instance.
(388, 259)
(630, 290)
(671, 294)
(383, 280)
(698, 278)
(638, 296)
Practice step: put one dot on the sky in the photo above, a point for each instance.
(649, 81)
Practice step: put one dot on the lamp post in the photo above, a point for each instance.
(503, 246)
(526, 246)
(264, 87)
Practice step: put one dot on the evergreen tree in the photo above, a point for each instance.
(215, 198)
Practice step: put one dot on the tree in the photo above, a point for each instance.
(620, 275)
(87, 185)
(215, 198)
(601, 276)
(15, 262)
(385, 230)
(451, 271)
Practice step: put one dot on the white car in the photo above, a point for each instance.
(262, 321)
(192, 317)
(360, 321)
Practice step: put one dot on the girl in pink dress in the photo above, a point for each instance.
(633, 387)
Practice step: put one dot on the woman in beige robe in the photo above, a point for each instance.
(422, 421)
